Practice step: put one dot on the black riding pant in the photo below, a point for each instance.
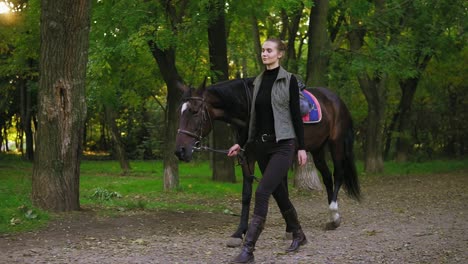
(274, 160)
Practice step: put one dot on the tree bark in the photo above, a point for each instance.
(223, 167)
(166, 62)
(375, 91)
(408, 89)
(306, 177)
(403, 146)
(61, 104)
(319, 46)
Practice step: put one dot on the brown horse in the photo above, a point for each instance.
(230, 102)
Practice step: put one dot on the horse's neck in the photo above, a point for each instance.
(230, 111)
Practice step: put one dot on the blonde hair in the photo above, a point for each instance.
(279, 43)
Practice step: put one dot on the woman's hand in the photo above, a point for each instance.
(301, 157)
(234, 150)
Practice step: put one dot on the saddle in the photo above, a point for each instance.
(310, 108)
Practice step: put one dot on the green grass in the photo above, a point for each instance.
(143, 188)
(435, 166)
(104, 189)
(16, 210)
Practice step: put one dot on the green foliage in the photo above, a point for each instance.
(123, 75)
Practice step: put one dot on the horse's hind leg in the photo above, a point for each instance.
(338, 177)
(321, 164)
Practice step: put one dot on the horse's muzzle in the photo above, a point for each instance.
(183, 154)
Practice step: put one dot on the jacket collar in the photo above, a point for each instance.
(282, 74)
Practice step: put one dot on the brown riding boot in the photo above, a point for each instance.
(255, 228)
(293, 225)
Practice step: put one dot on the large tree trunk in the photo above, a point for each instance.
(223, 167)
(403, 146)
(61, 104)
(166, 62)
(375, 91)
(318, 58)
(408, 89)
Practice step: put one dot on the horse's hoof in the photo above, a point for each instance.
(333, 225)
(234, 242)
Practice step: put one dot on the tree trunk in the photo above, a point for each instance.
(257, 44)
(223, 167)
(403, 144)
(306, 177)
(118, 145)
(171, 164)
(319, 47)
(166, 62)
(291, 60)
(408, 89)
(389, 133)
(25, 111)
(61, 104)
(375, 91)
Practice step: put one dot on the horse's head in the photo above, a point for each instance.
(195, 123)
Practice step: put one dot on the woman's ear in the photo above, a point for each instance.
(280, 54)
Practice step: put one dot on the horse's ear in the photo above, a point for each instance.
(203, 85)
(182, 87)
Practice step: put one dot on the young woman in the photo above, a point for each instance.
(275, 132)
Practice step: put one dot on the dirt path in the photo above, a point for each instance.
(417, 219)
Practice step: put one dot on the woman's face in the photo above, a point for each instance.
(271, 55)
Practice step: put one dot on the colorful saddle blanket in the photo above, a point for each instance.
(315, 113)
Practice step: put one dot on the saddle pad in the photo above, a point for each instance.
(315, 114)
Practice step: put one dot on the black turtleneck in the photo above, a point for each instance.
(264, 111)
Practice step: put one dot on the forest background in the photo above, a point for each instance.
(399, 65)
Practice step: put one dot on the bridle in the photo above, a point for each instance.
(198, 135)
(205, 115)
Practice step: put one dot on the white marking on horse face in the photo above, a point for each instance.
(333, 206)
(184, 107)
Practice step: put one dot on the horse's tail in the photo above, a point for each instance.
(351, 181)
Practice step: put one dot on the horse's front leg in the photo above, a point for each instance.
(247, 181)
